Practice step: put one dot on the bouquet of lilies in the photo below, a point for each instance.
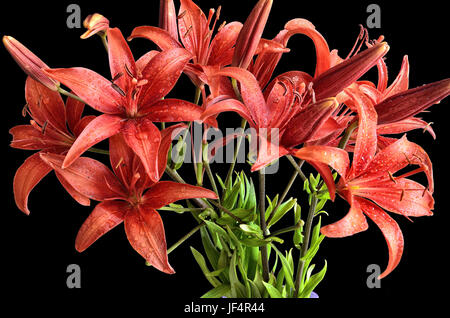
(340, 125)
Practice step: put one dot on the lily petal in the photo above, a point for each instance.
(160, 37)
(91, 87)
(334, 157)
(176, 110)
(29, 174)
(74, 110)
(77, 196)
(366, 140)
(222, 46)
(168, 17)
(302, 26)
(401, 83)
(162, 73)
(144, 138)
(391, 231)
(120, 59)
(165, 192)
(145, 232)
(45, 105)
(396, 157)
(101, 128)
(232, 105)
(87, 176)
(354, 222)
(106, 216)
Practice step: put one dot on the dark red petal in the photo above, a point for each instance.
(101, 128)
(91, 87)
(88, 176)
(391, 231)
(145, 232)
(333, 81)
(165, 192)
(144, 138)
(303, 126)
(106, 216)
(29, 174)
(411, 102)
(168, 17)
(250, 35)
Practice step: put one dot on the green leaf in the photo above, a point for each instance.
(273, 292)
(282, 210)
(211, 252)
(313, 248)
(237, 288)
(218, 292)
(202, 263)
(313, 282)
(219, 179)
(243, 214)
(288, 270)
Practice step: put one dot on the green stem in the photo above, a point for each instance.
(235, 155)
(185, 237)
(348, 133)
(176, 177)
(262, 222)
(105, 42)
(224, 209)
(64, 92)
(286, 191)
(100, 151)
(211, 178)
(287, 229)
(305, 245)
(297, 167)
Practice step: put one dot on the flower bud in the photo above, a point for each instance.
(29, 62)
(250, 35)
(95, 23)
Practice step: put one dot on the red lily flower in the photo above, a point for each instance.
(209, 53)
(397, 105)
(288, 106)
(53, 128)
(127, 195)
(131, 101)
(369, 184)
(95, 24)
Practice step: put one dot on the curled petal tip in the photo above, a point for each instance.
(95, 23)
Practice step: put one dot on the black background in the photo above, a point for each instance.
(36, 249)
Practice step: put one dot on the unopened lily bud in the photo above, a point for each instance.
(168, 17)
(95, 24)
(29, 62)
(334, 80)
(250, 35)
(411, 102)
